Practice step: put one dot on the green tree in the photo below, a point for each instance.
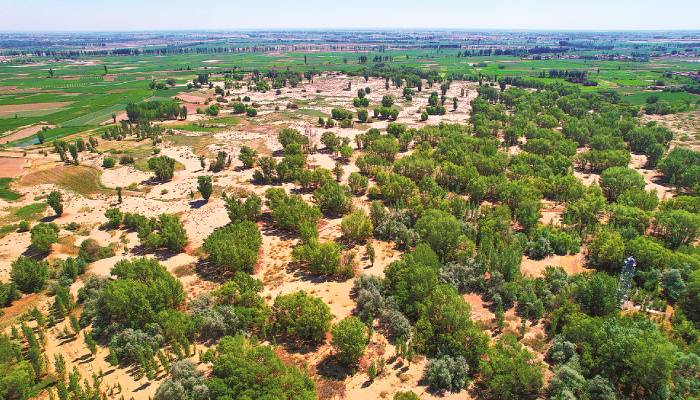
(43, 235)
(509, 371)
(55, 201)
(247, 156)
(357, 226)
(333, 198)
(204, 186)
(234, 247)
(597, 294)
(163, 166)
(441, 231)
(350, 338)
(243, 369)
(301, 317)
(29, 275)
(614, 181)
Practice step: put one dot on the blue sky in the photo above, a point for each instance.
(124, 15)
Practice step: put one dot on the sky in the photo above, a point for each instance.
(130, 15)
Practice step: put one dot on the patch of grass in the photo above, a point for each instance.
(77, 178)
(30, 212)
(7, 229)
(5, 192)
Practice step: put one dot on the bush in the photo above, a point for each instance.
(358, 183)
(441, 231)
(43, 236)
(185, 383)
(357, 226)
(333, 198)
(607, 251)
(320, 258)
(204, 186)
(616, 180)
(350, 337)
(238, 211)
(597, 294)
(163, 166)
(243, 369)
(301, 317)
(114, 218)
(29, 275)
(109, 162)
(447, 373)
(91, 251)
(291, 213)
(55, 201)
(247, 156)
(234, 247)
(509, 371)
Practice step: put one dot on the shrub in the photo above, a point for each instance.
(29, 275)
(509, 372)
(447, 373)
(357, 226)
(163, 166)
(238, 211)
(109, 162)
(614, 181)
(247, 156)
(243, 369)
(204, 186)
(597, 294)
(114, 218)
(91, 251)
(350, 337)
(319, 258)
(333, 198)
(43, 236)
(358, 183)
(234, 247)
(55, 201)
(301, 317)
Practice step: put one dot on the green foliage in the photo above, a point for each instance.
(239, 211)
(234, 247)
(43, 235)
(350, 337)
(333, 198)
(152, 110)
(142, 289)
(55, 201)
(204, 186)
(29, 275)
(91, 251)
(441, 231)
(614, 181)
(607, 250)
(300, 317)
(597, 294)
(247, 156)
(357, 226)
(244, 369)
(509, 371)
(163, 166)
(677, 227)
(629, 351)
(291, 213)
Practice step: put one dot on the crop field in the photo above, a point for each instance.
(81, 94)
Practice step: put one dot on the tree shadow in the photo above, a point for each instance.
(196, 204)
(331, 368)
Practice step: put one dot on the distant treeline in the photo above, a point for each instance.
(519, 52)
(152, 110)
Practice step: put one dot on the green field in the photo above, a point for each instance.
(85, 97)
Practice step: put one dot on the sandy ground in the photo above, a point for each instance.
(274, 267)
